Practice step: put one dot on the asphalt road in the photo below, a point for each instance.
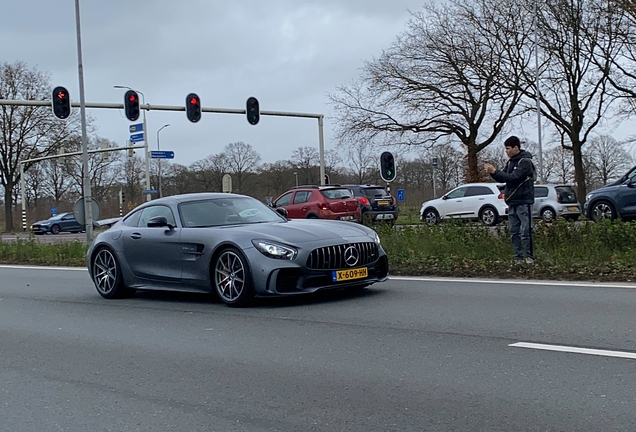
(407, 355)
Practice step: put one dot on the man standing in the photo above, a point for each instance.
(518, 174)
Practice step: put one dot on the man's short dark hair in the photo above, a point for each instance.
(513, 141)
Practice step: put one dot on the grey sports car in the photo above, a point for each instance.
(232, 245)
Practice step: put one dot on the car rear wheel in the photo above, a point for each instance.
(603, 210)
(489, 216)
(231, 278)
(107, 275)
(430, 216)
(548, 215)
(55, 229)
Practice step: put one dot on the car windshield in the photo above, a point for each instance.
(336, 193)
(57, 217)
(566, 195)
(226, 211)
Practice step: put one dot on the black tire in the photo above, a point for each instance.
(55, 229)
(430, 216)
(603, 210)
(548, 215)
(231, 278)
(488, 216)
(107, 275)
(312, 216)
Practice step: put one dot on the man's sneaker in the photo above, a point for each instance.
(518, 261)
(529, 261)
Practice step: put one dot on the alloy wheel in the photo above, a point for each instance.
(229, 276)
(603, 211)
(105, 272)
(488, 216)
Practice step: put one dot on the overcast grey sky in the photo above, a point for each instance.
(287, 53)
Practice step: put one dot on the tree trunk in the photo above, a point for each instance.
(473, 173)
(8, 207)
(579, 172)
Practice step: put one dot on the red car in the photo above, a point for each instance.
(319, 202)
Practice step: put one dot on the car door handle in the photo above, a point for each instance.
(135, 236)
(481, 199)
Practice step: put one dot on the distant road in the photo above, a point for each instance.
(45, 238)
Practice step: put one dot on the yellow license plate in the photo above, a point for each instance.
(351, 274)
(573, 208)
(383, 202)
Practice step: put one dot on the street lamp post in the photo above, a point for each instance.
(296, 175)
(536, 62)
(159, 160)
(145, 138)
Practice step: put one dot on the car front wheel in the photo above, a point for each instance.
(603, 210)
(231, 278)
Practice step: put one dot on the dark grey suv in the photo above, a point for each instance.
(376, 203)
(616, 200)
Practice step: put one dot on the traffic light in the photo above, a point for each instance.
(326, 179)
(193, 107)
(61, 101)
(253, 111)
(387, 166)
(131, 105)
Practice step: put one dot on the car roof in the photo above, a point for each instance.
(197, 196)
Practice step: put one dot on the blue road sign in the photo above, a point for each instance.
(400, 194)
(150, 191)
(54, 211)
(139, 127)
(137, 137)
(167, 154)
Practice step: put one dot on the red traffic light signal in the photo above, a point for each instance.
(253, 111)
(387, 166)
(131, 105)
(193, 107)
(61, 102)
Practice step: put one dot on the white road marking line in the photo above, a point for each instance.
(575, 350)
(25, 267)
(517, 282)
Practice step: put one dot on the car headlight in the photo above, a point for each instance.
(587, 198)
(275, 250)
(376, 237)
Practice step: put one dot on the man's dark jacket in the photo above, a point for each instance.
(518, 174)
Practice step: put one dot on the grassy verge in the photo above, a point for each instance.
(563, 250)
(32, 252)
(592, 251)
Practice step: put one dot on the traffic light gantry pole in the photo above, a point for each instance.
(149, 107)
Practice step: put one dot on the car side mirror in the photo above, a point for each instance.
(444, 197)
(158, 222)
(282, 211)
(630, 182)
(269, 200)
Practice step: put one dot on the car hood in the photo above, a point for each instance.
(305, 230)
(432, 202)
(46, 221)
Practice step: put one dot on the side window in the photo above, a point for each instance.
(133, 219)
(284, 200)
(301, 197)
(154, 211)
(457, 193)
(67, 217)
(540, 192)
(478, 190)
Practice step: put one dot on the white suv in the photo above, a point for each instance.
(477, 201)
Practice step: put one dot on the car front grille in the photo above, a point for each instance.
(333, 257)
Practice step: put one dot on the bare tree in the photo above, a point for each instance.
(242, 161)
(209, 172)
(559, 165)
(26, 132)
(360, 162)
(608, 158)
(306, 161)
(577, 42)
(454, 72)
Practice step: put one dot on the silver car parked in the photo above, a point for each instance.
(554, 200)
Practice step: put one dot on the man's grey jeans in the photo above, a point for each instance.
(520, 222)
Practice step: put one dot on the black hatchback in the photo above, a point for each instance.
(375, 202)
